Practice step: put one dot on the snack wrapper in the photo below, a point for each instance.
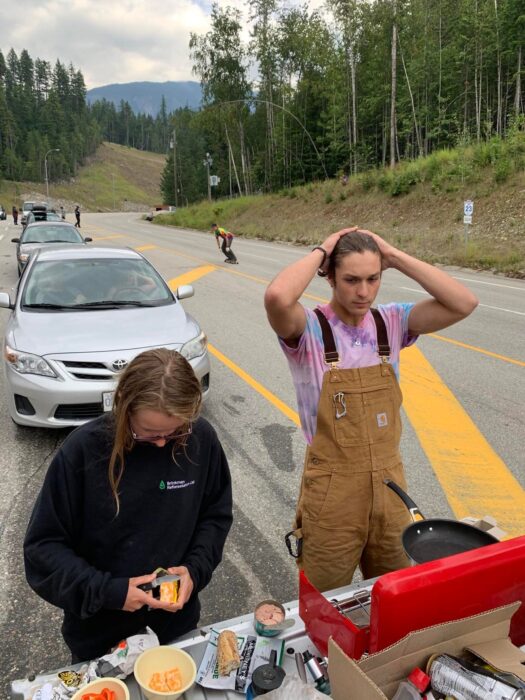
(253, 650)
(117, 664)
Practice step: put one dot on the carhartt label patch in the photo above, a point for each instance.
(382, 420)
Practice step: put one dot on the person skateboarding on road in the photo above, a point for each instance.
(226, 245)
(344, 360)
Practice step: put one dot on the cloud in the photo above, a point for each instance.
(111, 42)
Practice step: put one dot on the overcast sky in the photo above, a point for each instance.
(110, 41)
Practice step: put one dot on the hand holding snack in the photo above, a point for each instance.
(185, 587)
(136, 597)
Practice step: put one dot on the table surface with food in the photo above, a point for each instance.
(288, 638)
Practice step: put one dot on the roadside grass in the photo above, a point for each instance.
(116, 178)
(418, 206)
(104, 188)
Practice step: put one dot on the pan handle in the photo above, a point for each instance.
(414, 511)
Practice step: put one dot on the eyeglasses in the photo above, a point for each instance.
(180, 435)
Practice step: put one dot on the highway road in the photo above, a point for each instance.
(464, 422)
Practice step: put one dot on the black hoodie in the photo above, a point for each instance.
(79, 554)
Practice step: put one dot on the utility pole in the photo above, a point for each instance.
(175, 166)
(207, 162)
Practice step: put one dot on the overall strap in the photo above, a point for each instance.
(331, 356)
(383, 346)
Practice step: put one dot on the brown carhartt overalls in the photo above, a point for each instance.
(346, 515)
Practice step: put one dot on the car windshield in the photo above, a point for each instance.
(51, 234)
(88, 284)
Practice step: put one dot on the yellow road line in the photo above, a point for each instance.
(474, 478)
(141, 248)
(473, 347)
(107, 238)
(191, 276)
(272, 398)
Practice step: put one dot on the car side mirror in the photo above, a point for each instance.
(87, 239)
(15, 240)
(185, 291)
(5, 301)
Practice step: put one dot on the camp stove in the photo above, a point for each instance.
(379, 612)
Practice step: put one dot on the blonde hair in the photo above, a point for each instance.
(159, 380)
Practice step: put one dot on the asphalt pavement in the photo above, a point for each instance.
(481, 361)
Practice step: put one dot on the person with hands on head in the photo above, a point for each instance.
(344, 361)
(144, 486)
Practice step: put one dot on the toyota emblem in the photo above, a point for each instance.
(119, 364)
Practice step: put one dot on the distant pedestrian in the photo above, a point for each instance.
(15, 215)
(62, 213)
(77, 216)
(226, 245)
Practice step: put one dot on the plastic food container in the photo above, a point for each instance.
(158, 660)
(117, 686)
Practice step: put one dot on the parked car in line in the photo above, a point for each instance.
(3, 213)
(44, 233)
(28, 207)
(110, 304)
(37, 214)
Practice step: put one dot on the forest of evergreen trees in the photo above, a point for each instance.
(363, 84)
(42, 108)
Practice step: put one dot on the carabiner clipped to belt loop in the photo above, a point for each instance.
(339, 401)
(295, 546)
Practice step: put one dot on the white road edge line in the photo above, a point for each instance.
(487, 306)
(492, 284)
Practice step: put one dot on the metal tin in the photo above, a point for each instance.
(267, 630)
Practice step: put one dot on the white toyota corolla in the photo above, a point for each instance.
(79, 317)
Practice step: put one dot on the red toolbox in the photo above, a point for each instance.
(423, 595)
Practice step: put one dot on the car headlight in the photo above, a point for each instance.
(194, 347)
(26, 363)
(23, 257)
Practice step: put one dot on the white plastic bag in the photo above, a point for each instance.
(292, 688)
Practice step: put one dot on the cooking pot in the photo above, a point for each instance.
(426, 540)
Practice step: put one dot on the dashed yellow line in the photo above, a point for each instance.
(107, 238)
(191, 276)
(142, 248)
(476, 349)
(474, 478)
(263, 391)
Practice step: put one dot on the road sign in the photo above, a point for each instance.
(467, 219)
(214, 180)
(468, 208)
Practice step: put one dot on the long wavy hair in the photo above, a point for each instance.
(159, 380)
(354, 242)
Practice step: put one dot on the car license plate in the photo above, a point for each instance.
(107, 400)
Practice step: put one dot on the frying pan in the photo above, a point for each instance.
(426, 540)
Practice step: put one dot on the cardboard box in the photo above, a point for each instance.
(377, 676)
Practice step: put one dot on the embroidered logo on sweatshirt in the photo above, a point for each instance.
(170, 485)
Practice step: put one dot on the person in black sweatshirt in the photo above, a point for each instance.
(142, 487)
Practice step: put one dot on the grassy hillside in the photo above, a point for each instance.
(418, 206)
(116, 178)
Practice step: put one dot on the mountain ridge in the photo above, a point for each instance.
(144, 97)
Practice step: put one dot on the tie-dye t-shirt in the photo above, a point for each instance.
(357, 347)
